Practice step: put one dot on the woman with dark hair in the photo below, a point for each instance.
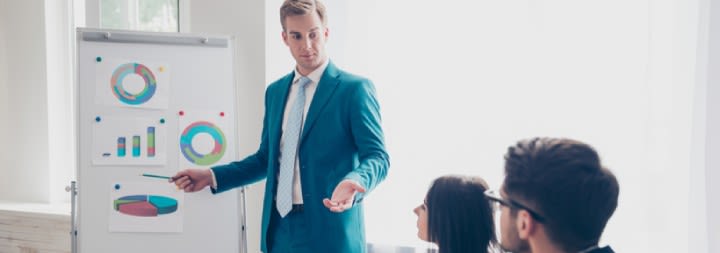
(456, 216)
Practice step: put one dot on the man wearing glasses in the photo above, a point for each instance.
(556, 197)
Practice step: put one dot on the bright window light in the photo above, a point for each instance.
(460, 81)
(143, 15)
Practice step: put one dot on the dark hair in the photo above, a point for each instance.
(300, 8)
(460, 219)
(562, 180)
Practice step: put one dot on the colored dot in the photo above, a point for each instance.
(162, 121)
(98, 59)
(117, 186)
(222, 114)
(97, 119)
(161, 68)
(181, 113)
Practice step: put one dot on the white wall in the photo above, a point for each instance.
(712, 159)
(35, 94)
(278, 61)
(244, 20)
(699, 197)
(27, 130)
(3, 90)
(61, 151)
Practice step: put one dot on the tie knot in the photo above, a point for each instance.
(304, 81)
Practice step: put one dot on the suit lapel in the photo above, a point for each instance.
(278, 110)
(328, 82)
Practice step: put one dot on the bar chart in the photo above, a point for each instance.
(128, 141)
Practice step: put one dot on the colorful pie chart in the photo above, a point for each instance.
(145, 205)
(125, 96)
(192, 155)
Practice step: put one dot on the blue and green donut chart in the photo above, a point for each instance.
(202, 127)
(116, 83)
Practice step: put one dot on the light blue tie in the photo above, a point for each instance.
(288, 152)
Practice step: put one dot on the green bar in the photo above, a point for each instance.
(136, 146)
(151, 141)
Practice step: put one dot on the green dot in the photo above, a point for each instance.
(98, 59)
(162, 121)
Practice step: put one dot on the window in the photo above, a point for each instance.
(143, 15)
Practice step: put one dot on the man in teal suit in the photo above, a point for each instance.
(322, 155)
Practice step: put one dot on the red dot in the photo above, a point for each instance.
(181, 113)
(222, 114)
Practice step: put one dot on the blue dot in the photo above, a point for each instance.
(98, 59)
(162, 121)
(97, 119)
(117, 186)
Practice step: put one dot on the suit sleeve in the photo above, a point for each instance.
(246, 171)
(365, 124)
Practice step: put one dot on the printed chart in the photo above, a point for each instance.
(132, 83)
(128, 141)
(202, 138)
(152, 206)
(218, 142)
(145, 205)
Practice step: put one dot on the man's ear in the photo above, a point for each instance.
(526, 225)
(285, 37)
(326, 33)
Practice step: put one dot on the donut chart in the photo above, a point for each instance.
(145, 205)
(202, 127)
(116, 83)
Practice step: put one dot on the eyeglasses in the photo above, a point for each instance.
(495, 196)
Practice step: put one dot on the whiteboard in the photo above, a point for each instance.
(154, 103)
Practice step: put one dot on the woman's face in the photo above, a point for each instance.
(422, 221)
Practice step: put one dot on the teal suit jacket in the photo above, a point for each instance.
(341, 139)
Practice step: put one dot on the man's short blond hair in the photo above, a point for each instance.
(300, 8)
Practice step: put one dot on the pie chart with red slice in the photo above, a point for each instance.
(145, 205)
